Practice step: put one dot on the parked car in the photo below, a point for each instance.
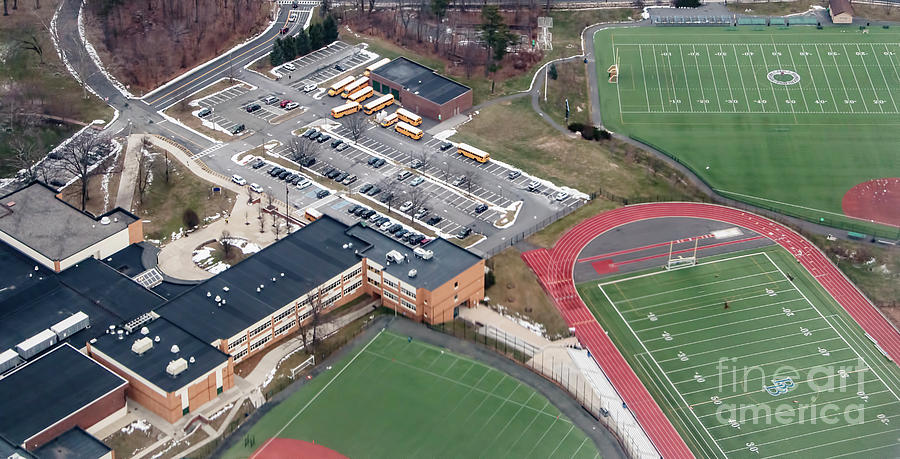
(341, 176)
(415, 164)
(416, 181)
(204, 112)
(284, 104)
(327, 170)
(296, 180)
(533, 185)
(353, 208)
(416, 239)
(464, 232)
(291, 106)
(275, 170)
(459, 180)
(380, 162)
(401, 233)
(380, 221)
(372, 160)
(270, 100)
(237, 129)
(562, 196)
(403, 175)
(335, 173)
(308, 133)
(309, 87)
(323, 138)
(386, 197)
(513, 174)
(446, 146)
(304, 183)
(349, 180)
(481, 208)
(238, 179)
(365, 188)
(342, 147)
(374, 217)
(339, 67)
(336, 142)
(434, 220)
(314, 134)
(387, 224)
(421, 213)
(322, 193)
(290, 178)
(256, 188)
(405, 206)
(283, 175)
(308, 161)
(289, 67)
(359, 212)
(375, 190)
(368, 213)
(253, 107)
(258, 164)
(394, 228)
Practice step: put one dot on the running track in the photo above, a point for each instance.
(554, 268)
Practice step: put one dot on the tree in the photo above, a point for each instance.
(32, 43)
(288, 48)
(144, 172)
(330, 29)
(496, 36)
(228, 246)
(308, 326)
(419, 199)
(316, 36)
(301, 43)
(389, 191)
(190, 219)
(423, 157)
(552, 72)
(300, 148)
(276, 58)
(447, 171)
(439, 10)
(471, 179)
(356, 124)
(76, 158)
(26, 155)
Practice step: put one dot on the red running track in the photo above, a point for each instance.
(554, 268)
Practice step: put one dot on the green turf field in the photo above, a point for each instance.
(394, 399)
(704, 95)
(782, 372)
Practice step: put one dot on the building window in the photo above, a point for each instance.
(236, 342)
(390, 295)
(456, 284)
(455, 297)
(355, 272)
(260, 343)
(353, 287)
(240, 354)
(374, 270)
(259, 329)
(390, 284)
(285, 327)
(218, 390)
(408, 305)
(331, 286)
(376, 86)
(185, 410)
(408, 293)
(283, 315)
(374, 282)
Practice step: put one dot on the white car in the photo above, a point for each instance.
(386, 225)
(459, 181)
(406, 206)
(291, 106)
(256, 188)
(305, 183)
(562, 196)
(238, 179)
(289, 67)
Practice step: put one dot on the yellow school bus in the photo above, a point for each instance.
(471, 152)
(378, 104)
(337, 87)
(374, 66)
(389, 120)
(346, 109)
(362, 94)
(409, 117)
(410, 131)
(353, 87)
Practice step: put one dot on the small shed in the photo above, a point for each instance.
(841, 12)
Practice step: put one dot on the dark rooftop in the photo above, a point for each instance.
(840, 6)
(299, 263)
(73, 444)
(34, 298)
(40, 394)
(151, 365)
(421, 80)
(8, 449)
(34, 216)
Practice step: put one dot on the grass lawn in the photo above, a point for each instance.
(749, 357)
(164, 203)
(535, 147)
(395, 398)
(570, 84)
(703, 96)
(776, 8)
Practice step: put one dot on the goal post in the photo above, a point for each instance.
(683, 258)
(304, 365)
(613, 69)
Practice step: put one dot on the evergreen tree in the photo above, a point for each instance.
(316, 36)
(330, 29)
(290, 51)
(496, 35)
(301, 43)
(276, 58)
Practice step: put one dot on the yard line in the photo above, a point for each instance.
(643, 345)
(794, 64)
(890, 55)
(701, 285)
(672, 76)
(704, 101)
(719, 349)
(854, 396)
(844, 426)
(753, 71)
(799, 83)
(816, 432)
(773, 362)
(734, 334)
(833, 443)
(708, 294)
(840, 76)
(884, 77)
(561, 441)
(644, 75)
(857, 453)
(860, 53)
(659, 81)
(757, 353)
(686, 81)
(853, 72)
(761, 389)
(766, 305)
(713, 73)
(727, 79)
(766, 64)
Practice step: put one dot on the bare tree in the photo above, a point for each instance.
(32, 43)
(77, 158)
(447, 170)
(300, 148)
(390, 190)
(471, 179)
(423, 157)
(144, 168)
(227, 244)
(419, 199)
(316, 305)
(25, 157)
(356, 124)
(262, 217)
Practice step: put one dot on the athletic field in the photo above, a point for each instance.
(394, 398)
(787, 119)
(749, 357)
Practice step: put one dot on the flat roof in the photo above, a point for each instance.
(299, 263)
(75, 443)
(42, 392)
(34, 298)
(151, 365)
(8, 450)
(34, 216)
(421, 80)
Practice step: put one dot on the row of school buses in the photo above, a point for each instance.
(358, 90)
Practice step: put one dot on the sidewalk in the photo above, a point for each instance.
(129, 176)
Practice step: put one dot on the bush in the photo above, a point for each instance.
(553, 73)
(190, 219)
(604, 135)
(576, 127)
(489, 279)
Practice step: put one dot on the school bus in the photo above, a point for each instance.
(362, 94)
(374, 66)
(389, 120)
(346, 109)
(378, 104)
(352, 87)
(471, 152)
(409, 117)
(336, 88)
(410, 131)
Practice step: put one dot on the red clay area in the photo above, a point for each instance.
(876, 200)
(288, 448)
(554, 269)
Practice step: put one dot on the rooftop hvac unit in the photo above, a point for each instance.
(140, 346)
(37, 343)
(412, 273)
(423, 254)
(8, 359)
(74, 324)
(394, 256)
(176, 367)
(104, 221)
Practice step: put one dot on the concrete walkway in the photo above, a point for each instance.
(129, 177)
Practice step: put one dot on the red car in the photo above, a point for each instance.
(285, 102)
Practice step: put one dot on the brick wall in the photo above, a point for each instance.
(84, 418)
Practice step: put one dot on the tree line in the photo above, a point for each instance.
(291, 47)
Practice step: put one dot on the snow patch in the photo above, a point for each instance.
(141, 425)
(536, 328)
(96, 58)
(220, 412)
(179, 123)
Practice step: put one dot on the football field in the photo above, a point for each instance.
(785, 119)
(749, 357)
(395, 397)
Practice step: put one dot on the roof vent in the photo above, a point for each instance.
(140, 346)
(191, 360)
(104, 221)
(394, 256)
(176, 367)
(121, 334)
(412, 273)
(225, 288)
(274, 279)
(218, 299)
(145, 331)
(36, 268)
(423, 254)
(208, 294)
(156, 339)
(175, 349)
(282, 274)
(345, 246)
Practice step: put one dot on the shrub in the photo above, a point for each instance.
(576, 127)
(552, 72)
(190, 219)
(604, 135)
(489, 279)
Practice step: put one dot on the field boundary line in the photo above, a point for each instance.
(856, 340)
(601, 284)
(313, 399)
(644, 346)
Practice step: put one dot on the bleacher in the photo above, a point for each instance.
(803, 20)
(752, 21)
(693, 20)
(777, 21)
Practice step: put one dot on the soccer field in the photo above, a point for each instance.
(787, 119)
(395, 398)
(749, 357)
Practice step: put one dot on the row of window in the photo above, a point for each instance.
(374, 282)
(258, 344)
(352, 288)
(285, 327)
(408, 293)
(408, 305)
(237, 341)
(284, 314)
(391, 295)
(259, 329)
(355, 272)
(240, 354)
(331, 286)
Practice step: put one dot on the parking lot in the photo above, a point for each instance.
(322, 65)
